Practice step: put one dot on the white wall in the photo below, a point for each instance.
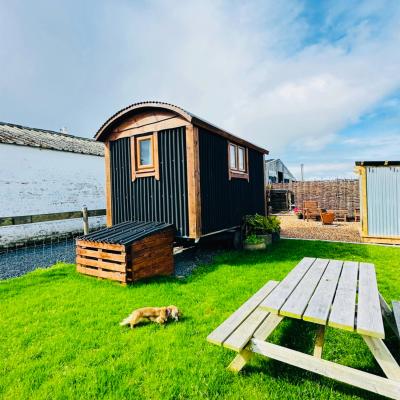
(38, 181)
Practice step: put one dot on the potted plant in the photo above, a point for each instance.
(298, 212)
(327, 217)
(254, 242)
(265, 228)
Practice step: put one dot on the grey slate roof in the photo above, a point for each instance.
(45, 139)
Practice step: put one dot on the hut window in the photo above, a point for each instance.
(238, 161)
(144, 156)
(232, 156)
(145, 152)
(241, 159)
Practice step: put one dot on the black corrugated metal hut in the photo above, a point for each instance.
(165, 164)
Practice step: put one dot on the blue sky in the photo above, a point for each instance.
(316, 82)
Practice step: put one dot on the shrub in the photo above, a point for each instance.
(260, 225)
(253, 239)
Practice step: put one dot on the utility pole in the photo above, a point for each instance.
(302, 172)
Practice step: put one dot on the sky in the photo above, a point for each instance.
(315, 82)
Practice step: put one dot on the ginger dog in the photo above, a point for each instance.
(155, 314)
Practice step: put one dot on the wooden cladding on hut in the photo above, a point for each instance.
(165, 164)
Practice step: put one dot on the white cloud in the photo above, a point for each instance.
(257, 69)
(238, 68)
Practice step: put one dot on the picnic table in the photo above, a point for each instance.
(334, 293)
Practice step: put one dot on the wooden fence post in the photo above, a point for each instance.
(85, 220)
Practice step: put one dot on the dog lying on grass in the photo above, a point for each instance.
(155, 314)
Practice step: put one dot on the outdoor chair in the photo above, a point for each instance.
(311, 209)
(340, 215)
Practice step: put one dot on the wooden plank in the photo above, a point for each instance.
(121, 267)
(364, 201)
(154, 245)
(344, 305)
(148, 254)
(97, 245)
(100, 273)
(277, 298)
(396, 313)
(223, 331)
(320, 303)
(165, 269)
(240, 360)
(383, 240)
(297, 302)
(197, 189)
(101, 254)
(262, 333)
(319, 341)
(154, 241)
(383, 357)
(107, 160)
(268, 326)
(369, 315)
(168, 123)
(193, 181)
(155, 155)
(133, 158)
(244, 332)
(152, 265)
(351, 376)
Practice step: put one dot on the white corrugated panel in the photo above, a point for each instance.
(383, 199)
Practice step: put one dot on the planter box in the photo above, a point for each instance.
(276, 236)
(267, 238)
(256, 246)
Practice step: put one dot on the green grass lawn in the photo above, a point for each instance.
(60, 336)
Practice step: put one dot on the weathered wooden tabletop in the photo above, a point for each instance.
(341, 294)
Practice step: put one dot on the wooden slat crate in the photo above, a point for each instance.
(144, 258)
(109, 261)
(153, 256)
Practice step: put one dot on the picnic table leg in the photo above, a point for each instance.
(383, 357)
(262, 333)
(240, 360)
(319, 341)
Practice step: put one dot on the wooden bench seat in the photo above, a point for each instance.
(236, 331)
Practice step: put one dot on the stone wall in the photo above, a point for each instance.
(331, 194)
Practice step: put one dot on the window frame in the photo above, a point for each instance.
(140, 170)
(244, 169)
(145, 167)
(237, 172)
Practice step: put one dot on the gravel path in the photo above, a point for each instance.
(19, 262)
(293, 227)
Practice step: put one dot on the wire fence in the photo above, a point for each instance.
(18, 259)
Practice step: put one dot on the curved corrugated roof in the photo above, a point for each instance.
(188, 116)
(46, 139)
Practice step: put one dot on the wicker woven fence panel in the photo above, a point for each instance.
(339, 194)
